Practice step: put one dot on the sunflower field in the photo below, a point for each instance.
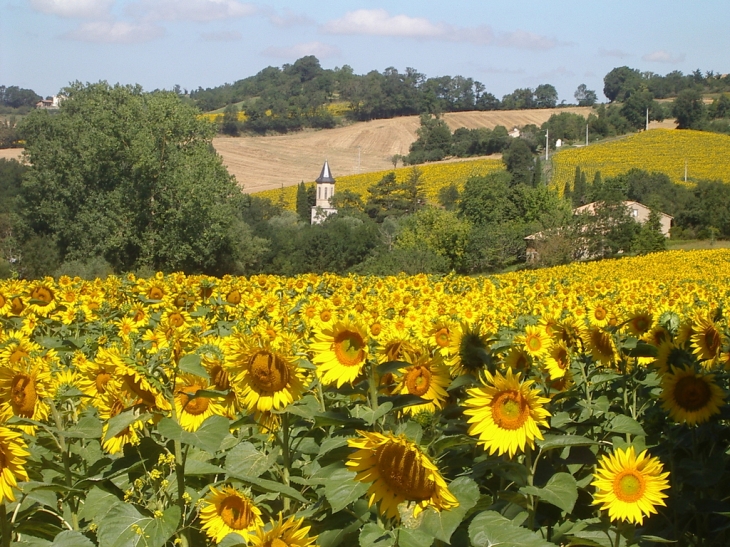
(579, 405)
(666, 151)
(434, 176)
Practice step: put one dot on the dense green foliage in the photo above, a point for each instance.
(621, 82)
(130, 177)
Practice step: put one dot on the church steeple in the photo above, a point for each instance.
(325, 191)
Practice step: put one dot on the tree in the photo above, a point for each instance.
(689, 110)
(649, 237)
(131, 177)
(433, 142)
(620, 81)
(546, 96)
(230, 125)
(720, 108)
(304, 210)
(448, 197)
(585, 96)
(386, 198)
(519, 162)
(485, 200)
(414, 192)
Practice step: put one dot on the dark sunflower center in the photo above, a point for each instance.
(442, 337)
(418, 380)
(349, 348)
(234, 297)
(17, 356)
(712, 340)
(629, 486)
(176, 320)
(561, 358)
(44, 294)
(220, 378)
(23, 395)
(510, 410)
(692, 393)
(471, 351)
(195, 406)
(600, 313)
(2, 300)
(602, 342)
(16, 305)
(155, 293)
(101, 381)
(135, 386)
(269, 372)
(641, 324)
(236, 513)
(404, 473)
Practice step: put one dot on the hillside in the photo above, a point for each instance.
(434, 176)
(265, 163)
(666, 151)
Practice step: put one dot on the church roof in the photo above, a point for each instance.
(326, 174)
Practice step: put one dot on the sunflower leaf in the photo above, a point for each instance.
(71, 538)
(561, 491)
(372, 535)
(244, 459)
(408, 537)
(490, 529)
(191, 365)
(123, 420)
(266, 486)
(626, 425)
(561, 441)
(341, 489)
(442, 525)
(125, 526)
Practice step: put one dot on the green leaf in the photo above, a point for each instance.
(369, 415)
(232, 540)
(490, 529)
(125, 526)
(561, 491)
(123, 420)
(208, 437)
(244, 459)
(191, 364)
(408, 537)
(336, 418)
(70, 538)
(89, 427)
(442, 525)
(43, 493)
(266, 486)
(626, 425)
(94, 504)
(561, 441)
(341, 489)
(463, 380)
(372, 535)
(196, 468)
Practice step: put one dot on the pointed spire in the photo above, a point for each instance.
(325, 175)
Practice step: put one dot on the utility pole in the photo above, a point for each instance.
(547, 143)
(586, 134)
(685, 170)
(647, 118)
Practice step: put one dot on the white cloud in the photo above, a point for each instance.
(190, 10)
(318, 49)
(82, 9)
(222, 36)
(521, 39)
(663, 56)
(613, 53)
(117, 32)
(378, 22)
(289, 19)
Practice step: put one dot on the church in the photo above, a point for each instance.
(325, 191)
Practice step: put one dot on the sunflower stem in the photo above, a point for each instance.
(179, 472)
(286, 456)
(373, 388)
(65, 448)
(531, 505)
(5, 523)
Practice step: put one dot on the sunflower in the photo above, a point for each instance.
(629, 486)
(111, 403)
(601, 345)
(399, 472)
(13, 453)
(136, 383)
(505, 414)
(558, 361)
(289, 533)
(340, 352)
(468, 349)
(192, 412)
(536, 341)
(640, 323)
(670, 355)
(427, 378)
(214, 360)
(229, 511)
(24, 388)
(689, 397)
(269, 380)
(42, 298)
(706, 340)
(597, 315)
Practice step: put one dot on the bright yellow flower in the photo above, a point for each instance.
(227, 511)
(340, 352)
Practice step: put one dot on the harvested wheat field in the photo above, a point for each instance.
(10, 153)
(265, 163)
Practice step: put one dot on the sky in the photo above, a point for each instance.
(46, 44)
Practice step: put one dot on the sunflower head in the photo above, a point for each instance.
(227, 511)
(284, 533)
(629, 486)
(689, 397)
(399, 472)
(340, 352)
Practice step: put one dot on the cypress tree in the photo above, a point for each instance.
(537, 178)
(303, 207)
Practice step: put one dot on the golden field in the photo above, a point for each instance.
(706, 156)
(434, 176)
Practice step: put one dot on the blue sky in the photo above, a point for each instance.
(45, 44)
